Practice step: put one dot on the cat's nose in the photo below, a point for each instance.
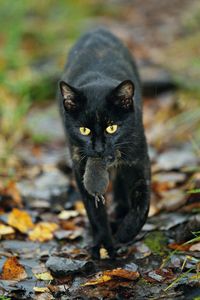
(99, 152)
(99, 149)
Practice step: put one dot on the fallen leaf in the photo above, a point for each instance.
(38, 289)
(11, 194)
(180, 247)
(42, 232)
(103, 253)
(13, 270)
(20, 220)
(195, 247)
(36, 151)
(79, 206)
(191, 207)
(159, 187)
(4, 230)
(172, 200)
(44, 276)
(109, 274)
(68, 224)
(99, 280)
(122, 273)
(67, 214)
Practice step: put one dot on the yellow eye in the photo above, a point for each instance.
(111, 129)
(84, 130)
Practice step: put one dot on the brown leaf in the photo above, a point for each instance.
(68, 224)
(11, 195)
(122, 273)
(180, 247)
(111, 274)
(20, 220)
(13, 270)
(43, 232)
(159, 187)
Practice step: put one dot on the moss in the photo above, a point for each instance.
(143, 282)
(156, 242)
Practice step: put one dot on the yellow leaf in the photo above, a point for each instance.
(195, 277)
(99, 280)
(13, 270)
(79, 206)
(44, 276)
(43, 232)
(103, 253)
(67, 214)
(4, 230)
(38, 289)
(20, 220)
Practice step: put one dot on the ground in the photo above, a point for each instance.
(44, 232)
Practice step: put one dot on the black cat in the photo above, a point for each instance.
(100, 99)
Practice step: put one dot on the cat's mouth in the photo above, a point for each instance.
(112, 160)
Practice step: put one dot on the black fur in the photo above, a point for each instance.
(100, 87)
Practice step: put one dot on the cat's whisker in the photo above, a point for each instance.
(123, 143)
(125, 158)
(82, 158)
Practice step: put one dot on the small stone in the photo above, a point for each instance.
(60, 266)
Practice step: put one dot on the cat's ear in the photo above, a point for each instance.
(123, 95)
(70, 96)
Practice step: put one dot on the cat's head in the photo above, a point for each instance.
(99, 119)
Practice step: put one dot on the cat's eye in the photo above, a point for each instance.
(84, 130)
(111, 129)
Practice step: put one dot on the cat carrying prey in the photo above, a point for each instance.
(101, 107)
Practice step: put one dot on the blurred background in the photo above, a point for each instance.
(35, 37)
(36, 180)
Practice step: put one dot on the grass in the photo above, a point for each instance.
(34, 40)
(196, 239)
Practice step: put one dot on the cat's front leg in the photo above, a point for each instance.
(98, 220)
(137, 183)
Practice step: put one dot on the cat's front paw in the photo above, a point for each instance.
(111, 252)
(95, 252)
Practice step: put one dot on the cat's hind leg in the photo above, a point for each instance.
(138, 190)
(120, 198)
